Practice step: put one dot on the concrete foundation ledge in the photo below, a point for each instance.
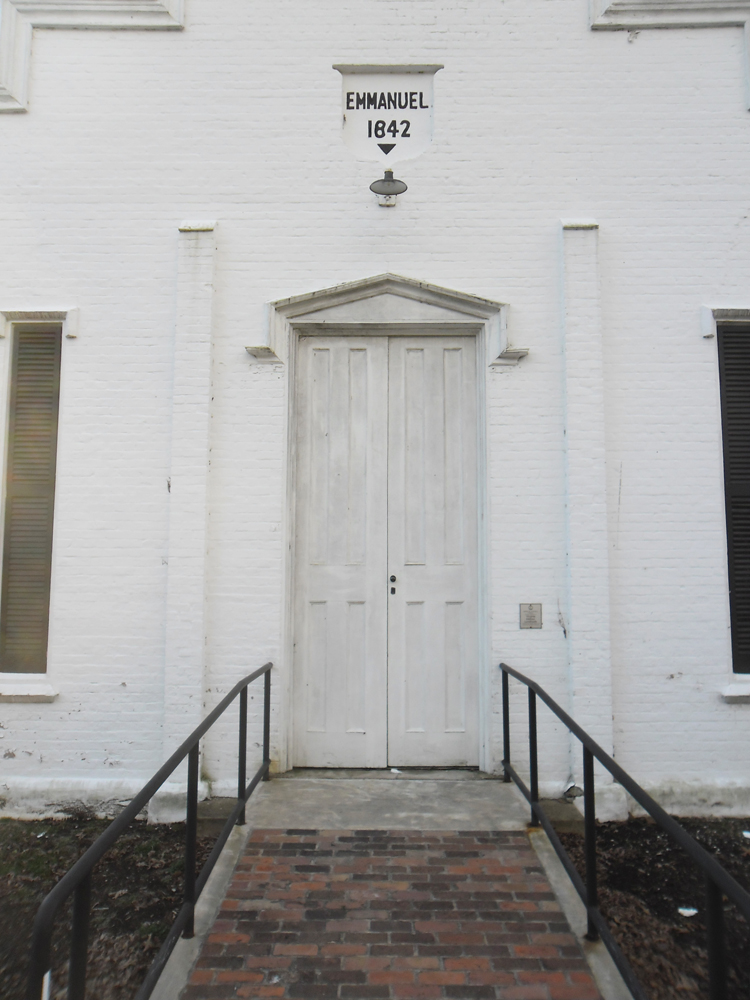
(688, 798)
(611, 798)
(57, 798)
(678, 798)
(611, 803)
(226, 788)
(170, 802)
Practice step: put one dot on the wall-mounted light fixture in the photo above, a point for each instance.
(387, 188)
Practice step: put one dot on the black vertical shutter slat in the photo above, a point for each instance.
(30, 497)
(734, 374)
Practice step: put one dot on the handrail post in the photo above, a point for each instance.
(506, 729)
(39, 962)
(191, 835)
(242, 758)
(589, 809)
(533, 765)
(717, 966)
(267, 723)
(79, 940)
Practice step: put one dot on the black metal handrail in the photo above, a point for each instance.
(78, 879)
(719, 883)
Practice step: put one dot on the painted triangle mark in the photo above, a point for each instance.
(386, 146)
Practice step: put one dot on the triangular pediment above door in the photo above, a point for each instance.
(385, 301)
(385, 307)
(387, 298)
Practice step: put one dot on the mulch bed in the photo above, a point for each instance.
(645, 878)
(136, 892)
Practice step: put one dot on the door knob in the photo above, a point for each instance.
(393, 579)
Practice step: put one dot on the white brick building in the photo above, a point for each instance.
(172, 196)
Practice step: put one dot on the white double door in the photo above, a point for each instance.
(385, 669)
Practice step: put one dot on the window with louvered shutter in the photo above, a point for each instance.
(734, 374)
(29, 500)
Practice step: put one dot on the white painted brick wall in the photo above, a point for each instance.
(237, 119)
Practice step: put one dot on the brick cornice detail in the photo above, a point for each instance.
(19, 18)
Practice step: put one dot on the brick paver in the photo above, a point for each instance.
(393, 914)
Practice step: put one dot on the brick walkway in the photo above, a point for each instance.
(398, 914)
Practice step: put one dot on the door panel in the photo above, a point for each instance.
(340, 609)
(386, 480)
(432, 503)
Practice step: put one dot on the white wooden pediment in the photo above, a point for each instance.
(386, 304)
(387, 307)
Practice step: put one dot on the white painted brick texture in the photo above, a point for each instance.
(237, 118)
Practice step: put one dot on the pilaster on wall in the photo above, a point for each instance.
(586, 501)
(191, 404)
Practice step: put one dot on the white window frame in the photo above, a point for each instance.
(19, 18)
(25, 687)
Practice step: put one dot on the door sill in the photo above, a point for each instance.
(390, 774)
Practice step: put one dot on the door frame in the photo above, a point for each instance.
(398, 307)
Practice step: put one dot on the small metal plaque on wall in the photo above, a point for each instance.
(530, 616)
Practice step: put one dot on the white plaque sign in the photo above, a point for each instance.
(388, 111)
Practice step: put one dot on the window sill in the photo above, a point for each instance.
(21, 688)
(737, 694)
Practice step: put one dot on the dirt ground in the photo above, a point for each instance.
(136, 892)
(645, 879)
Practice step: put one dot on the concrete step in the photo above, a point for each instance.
(425, 800)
